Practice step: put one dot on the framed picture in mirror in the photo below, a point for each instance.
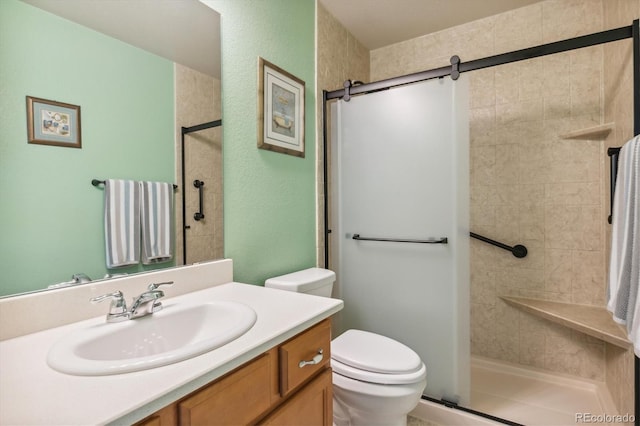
(53, 123)
(280, 110)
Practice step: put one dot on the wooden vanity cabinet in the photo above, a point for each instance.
(236, 399)
(271, 389)
(312, 405)
(168, 416)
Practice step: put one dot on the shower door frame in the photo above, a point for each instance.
(183, 132)
(632, 31)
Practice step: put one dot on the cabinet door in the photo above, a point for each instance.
(237, 399)
(311, 406)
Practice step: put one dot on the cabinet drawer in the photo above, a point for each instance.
(315, 342)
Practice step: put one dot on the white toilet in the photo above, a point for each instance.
(376, 380)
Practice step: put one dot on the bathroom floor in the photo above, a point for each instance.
(414, 421)
(534, 397)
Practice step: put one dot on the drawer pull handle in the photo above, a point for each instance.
(316, 360)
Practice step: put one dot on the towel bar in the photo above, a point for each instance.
(613, 153)
(96, 182)
(442, 240)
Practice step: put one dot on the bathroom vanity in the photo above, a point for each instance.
(256, 378)
(273, 388)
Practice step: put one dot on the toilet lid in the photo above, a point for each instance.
(374, 353)
(380, 378)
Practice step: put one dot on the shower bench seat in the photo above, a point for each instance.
(591, 320)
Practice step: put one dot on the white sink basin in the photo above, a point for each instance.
(176, 333)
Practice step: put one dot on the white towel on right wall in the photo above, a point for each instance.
(624, 268)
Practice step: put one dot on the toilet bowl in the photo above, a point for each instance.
(376, 380)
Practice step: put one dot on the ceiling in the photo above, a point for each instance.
(177, 30)
(182, 30)
(378, 23)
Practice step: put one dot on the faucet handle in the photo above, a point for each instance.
(154, 286)
(118, 305)
(80, 278)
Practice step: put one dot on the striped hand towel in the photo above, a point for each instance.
(122, 222)
(157, 220)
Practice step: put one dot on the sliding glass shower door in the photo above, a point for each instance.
(400, 230)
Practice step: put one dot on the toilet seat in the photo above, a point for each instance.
(379, 378)
(374, 358)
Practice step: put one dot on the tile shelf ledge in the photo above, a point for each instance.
(591, 320)
(598, 133)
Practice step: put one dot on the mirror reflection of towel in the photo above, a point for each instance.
(122, 222)
(156, 215)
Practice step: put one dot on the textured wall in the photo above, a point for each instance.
(341, 57)
(269, 198)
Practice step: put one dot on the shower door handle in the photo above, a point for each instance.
(442, 240)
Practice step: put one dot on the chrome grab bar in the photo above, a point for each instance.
(442, 240)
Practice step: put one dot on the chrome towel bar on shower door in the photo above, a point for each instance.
(442, 240)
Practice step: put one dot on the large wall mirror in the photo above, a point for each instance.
(139, 71)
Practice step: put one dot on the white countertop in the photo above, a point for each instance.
(32, 393)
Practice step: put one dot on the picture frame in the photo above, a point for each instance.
(281, 98)
(53, 123)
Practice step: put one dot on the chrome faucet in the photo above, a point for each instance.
(118, 309)
(148, 303)
(80, 278)
(143, 305)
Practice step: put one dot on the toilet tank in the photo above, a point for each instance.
(315, 281)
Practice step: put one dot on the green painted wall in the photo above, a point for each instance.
(51, 222)
(52, 216)
(269, 204)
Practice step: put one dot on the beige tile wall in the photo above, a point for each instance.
(618, 106)
(198, 100)
(340, 57)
